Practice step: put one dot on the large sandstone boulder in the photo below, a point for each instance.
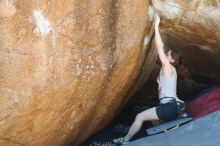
(68, 67)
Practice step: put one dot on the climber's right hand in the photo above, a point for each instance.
(156, 20)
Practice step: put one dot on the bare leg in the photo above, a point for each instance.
(147, 115)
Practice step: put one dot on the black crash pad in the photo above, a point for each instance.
(201, 132)
(168, 125)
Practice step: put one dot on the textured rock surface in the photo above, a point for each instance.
(66, 66)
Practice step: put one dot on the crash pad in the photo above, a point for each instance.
(168, 126)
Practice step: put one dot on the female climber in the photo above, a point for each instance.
(169, 106)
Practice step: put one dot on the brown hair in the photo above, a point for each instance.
(182, 70)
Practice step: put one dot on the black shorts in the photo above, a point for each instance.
(167, 111)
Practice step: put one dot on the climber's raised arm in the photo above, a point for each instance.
(166, 67)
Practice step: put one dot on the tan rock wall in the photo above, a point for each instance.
(66, 66)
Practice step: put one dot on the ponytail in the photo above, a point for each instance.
(182, 70)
